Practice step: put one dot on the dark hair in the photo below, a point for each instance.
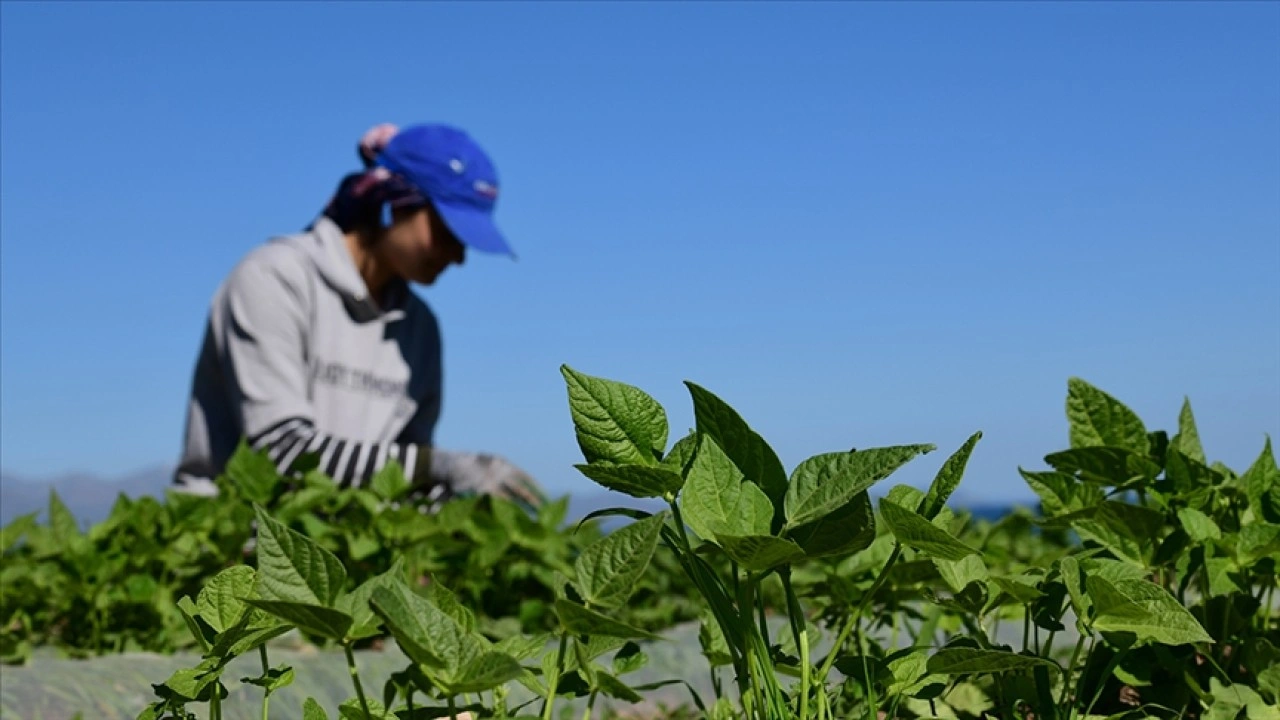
(359, 200)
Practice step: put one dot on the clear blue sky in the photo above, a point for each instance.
(861, 224)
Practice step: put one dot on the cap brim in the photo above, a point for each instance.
(475, 229)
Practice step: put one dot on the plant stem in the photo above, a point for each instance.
(1071, 671)
(1026, 628)
(591, 705)
(555, 679)
(215, 702)
(745, 606)
(804, 676)
(796, 615)
(852, 619)
(1270, 606)
(872, 704)
(453, 709)
(1102, 682)
(266, 692)
(714, 592)
(355, 680)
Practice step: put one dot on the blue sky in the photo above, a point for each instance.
(861, 224)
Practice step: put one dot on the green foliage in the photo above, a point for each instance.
(1142, 585)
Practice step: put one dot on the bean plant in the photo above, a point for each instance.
(1143, 585)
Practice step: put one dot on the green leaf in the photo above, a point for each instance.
(1144, 609)
(585, 651)
(1200, 527)
(758, 553)
(615, 422)
(316, 619)
(861, 668)
(906, 496)
(273, 679)
(1261, 478)
(61, 522)
(389, 483)
(912, 530)
(640, 481)
(947, 479)
(613, 687)
(1262, 659)
(910, 671)
(1061, 493)
(219, 603)
(1258, 540)
(253, 473)
(849, 529)
(824, 483)
(1129, 531)
(711, 638)
(254, 629)
(447, 602)
(196, 684)
(744, 446)
(1190, 476)
(293, 568)
(351, 710)
(189, 611)
(578, 619)
(424, 632)
(609, 568)
(1112, 570)
(1097, 418)
(959, 573)
(415, 624)
(1108, 466)
(1229, 700)
(364, 621)
(311, 710)
(1187, 441)
(716, 500)
(486, 672)
(629, 659)
(14, 531)
(1219, 571)
(1071, 577)
(965, 661)
(678, 458)
(1022, 588)
(522, 647)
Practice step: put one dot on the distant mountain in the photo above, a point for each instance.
(89, 497)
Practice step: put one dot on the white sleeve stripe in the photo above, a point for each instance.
(410, 460)
(274, 436)
(344, 462)
(287, 443)
(297, 450)
(358, 460)
(327, 455)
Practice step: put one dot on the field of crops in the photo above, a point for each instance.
(1142, 585)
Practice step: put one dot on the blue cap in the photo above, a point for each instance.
(448, 167)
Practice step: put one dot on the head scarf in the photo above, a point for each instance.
(368, 197)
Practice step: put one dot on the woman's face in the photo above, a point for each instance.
(419, 246)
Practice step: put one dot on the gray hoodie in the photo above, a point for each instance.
(297, 358)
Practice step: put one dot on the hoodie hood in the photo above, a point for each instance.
(325, 245)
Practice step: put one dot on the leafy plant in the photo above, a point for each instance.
(1142, 586)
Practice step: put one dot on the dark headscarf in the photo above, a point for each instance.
(366, 198)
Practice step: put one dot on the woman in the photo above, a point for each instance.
(315, 345)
